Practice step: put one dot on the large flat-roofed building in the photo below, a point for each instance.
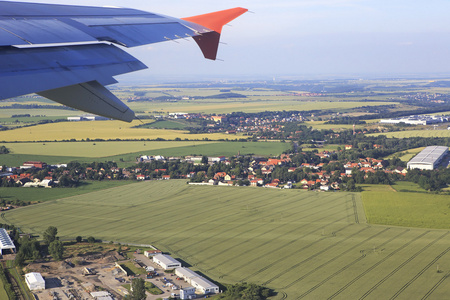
(204, 286)
(166, 261)
(6, 242)
(429, 158)
(186, 273)
(35, 281)
(201, 284)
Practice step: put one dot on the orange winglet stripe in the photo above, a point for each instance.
(216, 20)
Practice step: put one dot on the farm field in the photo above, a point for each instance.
(406, 155)
(19, 159)
(42, 195)
(414, 133)
(306, 245)
(98, 130)
(128, 151)
(53, 113)
(97, 149)
(250, 105)
(406, 186)
(168, 124)
(409, 209)
(3, 294)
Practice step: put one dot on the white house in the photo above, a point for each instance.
(35, 281)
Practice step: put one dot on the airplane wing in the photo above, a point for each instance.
(69, 53)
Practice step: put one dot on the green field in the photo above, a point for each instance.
(306, 245)
(409, 209)
(406, 186)
(406, 155)
(128, 151)
(3, 294)
(166, 124)
(42, 194)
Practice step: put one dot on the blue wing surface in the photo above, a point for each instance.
(67, 53)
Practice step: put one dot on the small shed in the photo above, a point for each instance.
(35, 281)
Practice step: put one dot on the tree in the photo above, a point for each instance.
(56, 249)
(91, 240)
(138, 289)
(79, 239)
(50, 234)
(20, 259)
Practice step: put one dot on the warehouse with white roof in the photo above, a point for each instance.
(166, 261)
(204, 286)
(429, 158)
(201, 284)
(35, 281)
(5, 242)
(186, 273)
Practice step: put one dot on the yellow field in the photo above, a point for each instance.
(250, 106)
(100, 149)
(415, 133)
(7, 113)
(98, 130)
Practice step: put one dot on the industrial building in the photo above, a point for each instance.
(204, 286)
(35, 281)
(5, 242)
(429, 158)
(166, 262)
(201, 284)
(417, 120)
(186, 273)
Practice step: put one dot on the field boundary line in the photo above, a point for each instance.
(355, 209)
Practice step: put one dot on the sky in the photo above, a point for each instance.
(301, 39)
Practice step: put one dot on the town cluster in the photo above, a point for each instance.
(243, 123)
(307, 170)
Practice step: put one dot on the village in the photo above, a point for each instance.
(306, 170)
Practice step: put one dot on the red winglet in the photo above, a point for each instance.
(216, 20)
(209, 42)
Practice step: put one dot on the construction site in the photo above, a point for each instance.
(105, 275)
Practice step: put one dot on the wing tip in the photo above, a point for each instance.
(209, 42)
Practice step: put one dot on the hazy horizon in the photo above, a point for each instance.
(304, 38)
